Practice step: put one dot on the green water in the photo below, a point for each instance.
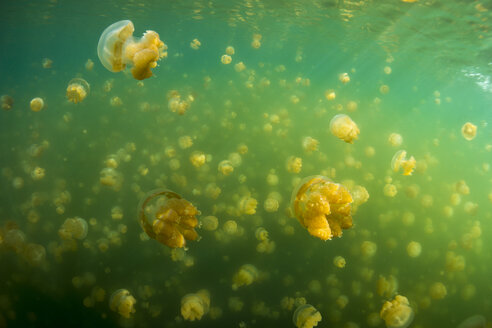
(432, 56)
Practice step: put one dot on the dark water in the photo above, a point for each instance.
(421, 70)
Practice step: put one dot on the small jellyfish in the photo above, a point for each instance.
(47, 63)
(117, 48)
(438, 291)
(77, 90)
(89, 64)
(173, 219)
(399, 161)
(339, 262)
(35, 254)
(122, 302)
(210, 223)
(395, 139)
(306, 316)
(322, 206)
(397, 313)
(225, 167)
(195, 306)
(37, 104)
(7, 102)
(342, 127)
(195, 44)
(469, 131)
(246, 275)
(414, 249)
(226, 59)
(73, 228)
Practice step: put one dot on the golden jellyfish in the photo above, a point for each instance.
(344, 78)
(399, 161)
(173, 219)
(117, 48)
(387, 287)
(414, 249)
(89, 64)
(195, 44)
(342, 127)
(226, 59)
(395, 139)
(73, 228)
(310, 144)
(294, 164)
(37, 104)
(77, 90)
(123, 303)
(7, 102)
(195, 306)
(246, 275)
(239, 67)
(322, 206)
(230, 50)
(47, 63)
(438, 291)
(397, 313)
(35, 254)
(210, 223)
(469, 131)
(306, 316)
(339, 262)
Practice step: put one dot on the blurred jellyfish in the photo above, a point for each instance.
(246, 275)
(438, 291)
(122, 302)
(469, 131)
(172, 218)
(306, 316)
(395, 139)
(89, 65)
(195, 44)
(77, 90)
(414, 249)
(399, 161)
(47, 63)
(35, 254)
(475, 321)
(117, 48)
(73, 228)
(7, 102)
(294, 164)
(342, 127)
(226, 59)
(322, 206)
(344, 78)
(339, 262)
(195, 306)
(210, 223)
(37, 104)
(397, 313)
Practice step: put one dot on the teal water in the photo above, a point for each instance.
(438, 53)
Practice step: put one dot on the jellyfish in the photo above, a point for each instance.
(195, 306)
(37, 104)
(414, 249)
(342, 127)
(7, 102)
(322, 206)
(246, 275)
(438, 291)
(475, 321)
(77, 90)
(397, 313)
(73, 228)
(399, 161)
(122, 302)
(469, 131)
(117, 48)
(210, 223)
(306, 316)
(173, 219)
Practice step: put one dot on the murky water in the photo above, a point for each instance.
(235, 140)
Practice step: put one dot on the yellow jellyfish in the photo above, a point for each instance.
(210, 223)
(37, 104)
(306, 316)
(122, 302)
(7, 102)
(246, 275)
(438, 291)
(342, 127)
(195, 306)
(173, 219)
(73, 228)
(117, 48)
(399, 161)
(397, 313)
(339, 262)
(469, 131)
(226, 59)
(322, 206)
(414, 249)
(77, 90)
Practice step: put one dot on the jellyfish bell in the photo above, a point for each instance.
(172, 219)
(78, 89)
(117, 48)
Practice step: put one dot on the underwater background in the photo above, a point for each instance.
(410, 74)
